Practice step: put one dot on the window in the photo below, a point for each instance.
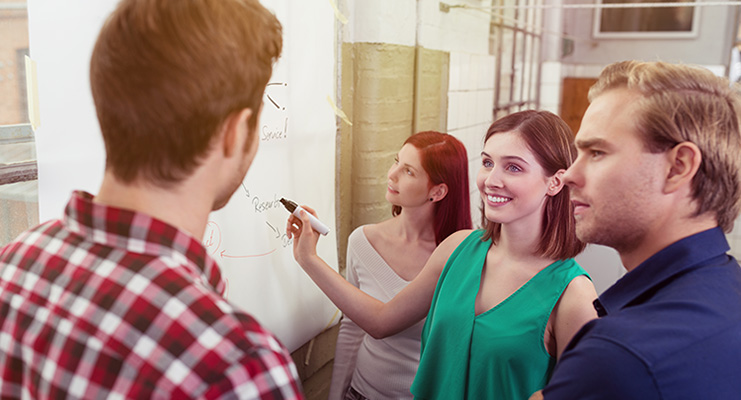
(18, 173)
(628, 19)
(516, 39)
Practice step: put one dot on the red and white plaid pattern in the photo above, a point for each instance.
(109, 303)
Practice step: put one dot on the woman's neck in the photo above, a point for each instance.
(520, 241)
(416, 224)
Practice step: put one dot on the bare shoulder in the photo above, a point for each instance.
(443, 251)
(427, 279)
(576, 300)
(454, 240)
(372, 229)
(580, 289)
(573, 310)
(376, 233)
(575, 306)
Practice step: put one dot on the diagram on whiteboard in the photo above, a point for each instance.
(296, 156)
(274, 126)
(212, 235)
(295, 160)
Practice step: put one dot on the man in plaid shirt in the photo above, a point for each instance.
(119, 299)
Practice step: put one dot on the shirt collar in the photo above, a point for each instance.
(692, 252)
(140, 233)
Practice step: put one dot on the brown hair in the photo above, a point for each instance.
(552, 144)
(682, 103)
(165, 74)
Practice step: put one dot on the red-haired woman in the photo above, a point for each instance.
(428, 190)
(501, 302)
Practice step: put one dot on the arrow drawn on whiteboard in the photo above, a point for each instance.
(277, 233)
(271, 99)
(248, 256)
(284, 238)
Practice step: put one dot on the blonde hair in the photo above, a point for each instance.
(682, 103)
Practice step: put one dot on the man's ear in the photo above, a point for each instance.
(684, 161)
(555, 183)
(438, 192)
(235, 131)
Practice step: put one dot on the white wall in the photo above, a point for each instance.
(464, 33)
(456, 30)
(711, 46)
(380, 21)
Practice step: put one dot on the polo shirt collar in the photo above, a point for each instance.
(682, 256)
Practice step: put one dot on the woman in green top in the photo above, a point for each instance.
(503, 301)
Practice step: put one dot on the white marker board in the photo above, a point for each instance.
(296, 158)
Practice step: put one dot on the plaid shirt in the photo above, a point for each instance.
(110, 303)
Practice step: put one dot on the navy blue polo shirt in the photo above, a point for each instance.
(669, 329)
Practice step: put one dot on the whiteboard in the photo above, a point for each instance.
(296, 157)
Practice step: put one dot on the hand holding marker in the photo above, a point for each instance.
(295, 209)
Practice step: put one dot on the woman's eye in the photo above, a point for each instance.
(596, 153)
(409, 172)
(513, 168)
(487, 163)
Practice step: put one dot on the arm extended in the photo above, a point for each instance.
(378, 319)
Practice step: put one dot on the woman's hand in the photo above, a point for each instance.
(304, 236)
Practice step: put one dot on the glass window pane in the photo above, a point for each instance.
(17, 152)
(516, 42)
(529, 65)
(538, 16)
(536, 68)
(518, 66)
(506, 66)
(19, 203)
(19, 209)
(13, 48)
(531, 14)
(509, 13)
(522, 14)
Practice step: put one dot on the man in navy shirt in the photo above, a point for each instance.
(658, 178)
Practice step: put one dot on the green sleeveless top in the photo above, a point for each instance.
(498, 354)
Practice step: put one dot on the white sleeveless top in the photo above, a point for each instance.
(377, 368)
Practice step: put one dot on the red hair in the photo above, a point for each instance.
(445, 160)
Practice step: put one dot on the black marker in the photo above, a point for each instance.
(295, 209)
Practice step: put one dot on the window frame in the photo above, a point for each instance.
(598, 33)
(21, 171)
(520, 25)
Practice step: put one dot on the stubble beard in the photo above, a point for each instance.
(623, 235)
